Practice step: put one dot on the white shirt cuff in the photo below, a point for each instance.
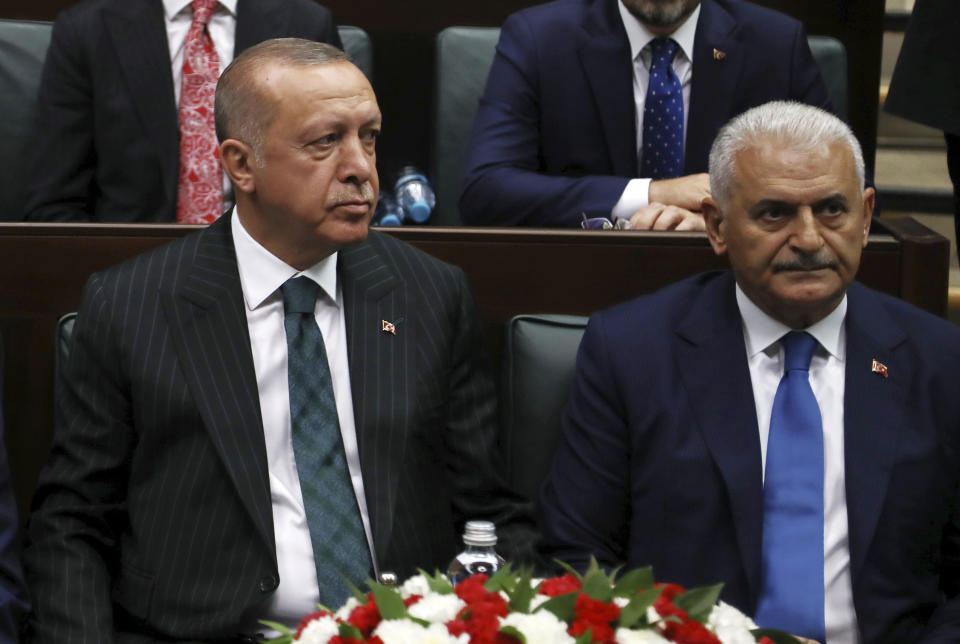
(635, 196)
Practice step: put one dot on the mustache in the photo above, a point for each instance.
(806, 263)
(362, 192)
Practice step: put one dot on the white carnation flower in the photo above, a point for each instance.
(319, 631)
(627, 636)
(621, 601)
(537, 600)
(347, 608)
(541, 627)
(402, 631)
(416, 585)
(730, 625)
(653, 616)
(437, 608)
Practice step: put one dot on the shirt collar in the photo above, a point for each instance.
(262, 273)
(173, 7)
(762, 332)
(639, 36)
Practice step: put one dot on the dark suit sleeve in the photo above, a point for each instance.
(503, 182)
(586, 514)
(61, 158)
(475, 471)
(944, 625)
(79, 503)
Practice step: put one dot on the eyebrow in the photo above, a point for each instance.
(836, 198)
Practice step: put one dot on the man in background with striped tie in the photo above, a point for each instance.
(273, 405)
(779, 427)
(123, 130)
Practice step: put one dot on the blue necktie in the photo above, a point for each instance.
(333, 517)
(791, 592)
(662, 115)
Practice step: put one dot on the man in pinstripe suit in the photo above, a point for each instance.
(168, 511)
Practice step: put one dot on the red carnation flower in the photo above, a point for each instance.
(365, 617)
(670, 590)
(471, 589)
(457, 627)
(689, 632)
(560, 585)
(309, 618)
(595, 615)
(411, 600)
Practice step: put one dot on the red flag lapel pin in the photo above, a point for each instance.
(879, 367)
(718, 55)
(388, 327)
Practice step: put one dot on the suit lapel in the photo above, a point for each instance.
(209, 330)
(605, 56)
(873, 408)
(136, 30)
(259, 20)
(714, 85)
(710, 340)
(380, 365)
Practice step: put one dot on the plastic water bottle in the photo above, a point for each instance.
(388, 213)
(414, 195)
(479, 537)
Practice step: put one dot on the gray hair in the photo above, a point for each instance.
(241, 110)
(786, 123)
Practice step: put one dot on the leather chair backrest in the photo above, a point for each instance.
(539, 356)
(463, 59)
(356, 42)
(23, 47)
(831, 55)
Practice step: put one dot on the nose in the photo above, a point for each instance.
(357, 163)
(806, 232)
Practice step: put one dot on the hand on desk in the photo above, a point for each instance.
(657, 216)
(684, 192)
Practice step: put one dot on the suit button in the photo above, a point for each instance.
(268, 584)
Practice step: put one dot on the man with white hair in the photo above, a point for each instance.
(777, 427)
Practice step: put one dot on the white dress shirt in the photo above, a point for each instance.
(177, 15)
(827, 379)
(637, 193)
(261, 275)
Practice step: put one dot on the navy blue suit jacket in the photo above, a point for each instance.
(659, 463)
(555, 133)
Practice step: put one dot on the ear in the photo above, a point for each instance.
(716, 225)
(239, 163)
(869, 201)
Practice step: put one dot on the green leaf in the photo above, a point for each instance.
(570, 569)
(286, 636)
(777, 637)
(699, 602)
(635, 613)
(513, 632)
(500, 580)
(563, 606)
(389, 603)
(596, 584)
(522, 593)
(586, 638)
(346, 629)
(437, 582)
(633, 581)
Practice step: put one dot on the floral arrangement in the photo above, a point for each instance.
(512, 608)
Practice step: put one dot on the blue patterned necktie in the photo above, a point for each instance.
(791, 592)
(662, 115)
(333, 517)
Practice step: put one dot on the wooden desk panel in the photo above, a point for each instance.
(43, 268)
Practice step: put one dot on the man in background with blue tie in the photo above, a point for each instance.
(779, 427)
(607, 108)
(282, 401)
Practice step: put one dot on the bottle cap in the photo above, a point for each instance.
(419, 211)
(390, 220)
(480, 533)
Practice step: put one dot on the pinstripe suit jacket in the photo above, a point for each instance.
(153, 514)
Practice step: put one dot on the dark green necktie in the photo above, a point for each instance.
(336, 528)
